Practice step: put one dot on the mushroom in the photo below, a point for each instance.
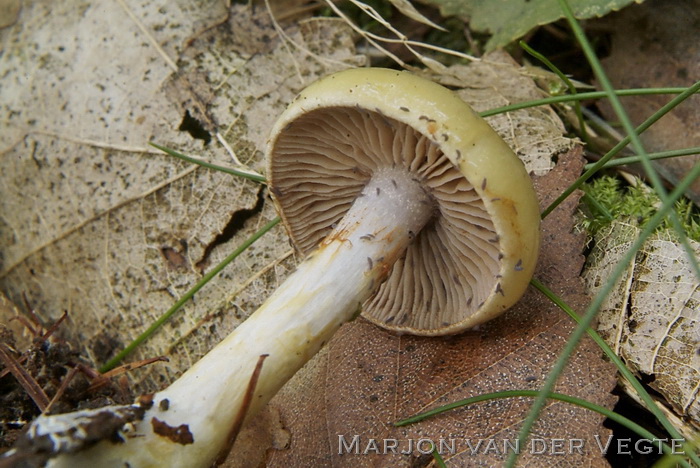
(407, 205)
(369, 136)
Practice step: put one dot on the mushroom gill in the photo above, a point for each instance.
(325, 158)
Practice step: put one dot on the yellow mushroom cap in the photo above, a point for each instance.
(476, 256)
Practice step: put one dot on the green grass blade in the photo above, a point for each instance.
(187, 296)
(579, 97)
(199, 162)
(652, 157)
(439, 462)
(567, 82)
(622, 420)
(508, 394)
(595, 204)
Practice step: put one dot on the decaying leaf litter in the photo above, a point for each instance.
(172, 254)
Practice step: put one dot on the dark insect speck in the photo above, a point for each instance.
(499, 289)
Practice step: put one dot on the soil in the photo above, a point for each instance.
(67, 379)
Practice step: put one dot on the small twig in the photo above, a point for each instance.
(62, 389)
(30, 385)
(133, 365)
(20, 361)
(99, 380)
(36, 332)
(240, 417)
(32, 316)
(27, 324)
(52, 329)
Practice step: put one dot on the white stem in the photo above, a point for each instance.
(327, 290)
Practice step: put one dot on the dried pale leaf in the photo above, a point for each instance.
(9, 11)
(96, 223)
(366, 379)
(407, 8)
(72, 118)
(535, 134)
(653, 318)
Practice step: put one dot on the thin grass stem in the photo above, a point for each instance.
(567, 82)
(622, 420)
(439, 461)
(667, 205)
(598, 206)
(187, 296)
(618, 147)
(652, 156)
(607, 86)
(579, 97)
(228, 170)
(614, 358)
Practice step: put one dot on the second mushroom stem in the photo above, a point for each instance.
(326, 290)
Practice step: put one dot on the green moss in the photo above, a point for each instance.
(607, 198)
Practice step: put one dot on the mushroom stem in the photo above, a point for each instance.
(327, 290)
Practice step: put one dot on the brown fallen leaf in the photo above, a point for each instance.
(657, 44)
(339, 410)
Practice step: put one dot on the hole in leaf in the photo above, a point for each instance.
(625, 447)
(234, 225)
(647, 378)
(195, 128)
